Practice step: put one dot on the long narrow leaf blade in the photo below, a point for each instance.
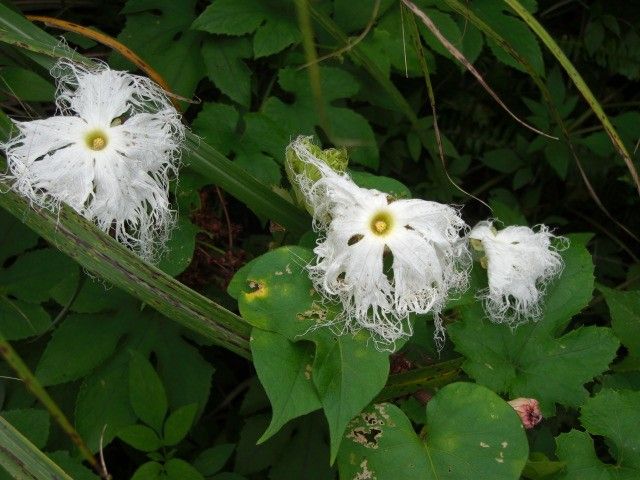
(214, 166)
(22, 460)
(102, 255)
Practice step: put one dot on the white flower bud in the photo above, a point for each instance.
(528, 410)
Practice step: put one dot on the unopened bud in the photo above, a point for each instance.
(529, 411)
(300, 170)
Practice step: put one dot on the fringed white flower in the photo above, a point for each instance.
(382, 258)
(520, 263)
(108, 154)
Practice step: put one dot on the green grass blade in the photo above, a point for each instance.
(22, 460)
(102, 255)
(580, 84)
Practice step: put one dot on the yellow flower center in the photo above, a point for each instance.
(381, 223)
(96, 140)
(380, 226)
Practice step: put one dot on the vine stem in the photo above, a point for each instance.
(31, 382)
(428, 377)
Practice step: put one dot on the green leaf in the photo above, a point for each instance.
(180, 248)
(33, 423)
(146, 392)
(274, 293)
(576, 449)
(140, 437)
(72, 466)
(602, 415)
(148, 471)
(79, 344)
(103, 403)
(539, 466)
(25, 85)
(306, 453)
(514, 30)
(471, 433)
(284, 369)
(177, 469)
(15, 237)
(273, 22)
(211, 460)
(35, 274)
(251, 458)
(179, 423)
(447, 27)
(216, 124)
(223, 59)
(231, 17)
(347, 127)
(502, 160)
(158, 31)
(613, 415)
(185, 374)
(353, 15)
(348, 373)
(625, 320)
(228, 476)
(519, 362)
(573, 290)
(92, 297)
(20, 320)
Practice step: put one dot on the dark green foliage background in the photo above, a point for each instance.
(176, 406)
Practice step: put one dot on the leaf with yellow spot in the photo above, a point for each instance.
(274, 293)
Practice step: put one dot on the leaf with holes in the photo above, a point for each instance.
(274, 293)
(471, 433)
(348, 373)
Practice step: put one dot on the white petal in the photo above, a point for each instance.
(99, 97)
(66, 175)
(148, 139)
(129, 200)
(40, 137)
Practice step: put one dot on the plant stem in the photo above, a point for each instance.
(428, 377)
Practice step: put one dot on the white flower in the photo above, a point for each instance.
(383, 258)
(520, 263)
(108, 154)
